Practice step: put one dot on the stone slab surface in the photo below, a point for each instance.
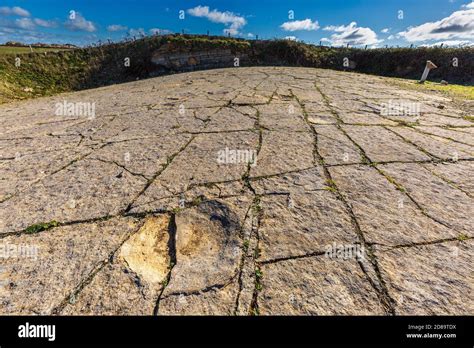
(245, 191)
(431, 279)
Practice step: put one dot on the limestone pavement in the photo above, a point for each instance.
(238, 191)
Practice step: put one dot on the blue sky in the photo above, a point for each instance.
(334, 22)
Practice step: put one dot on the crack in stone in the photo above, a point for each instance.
(242, 260)
(90, 277)
(449, 182)
(418, 147)
(441, 161)
(201, 291)
(460, 238)
(157, 174)
(440, 136)
(254, 309)
(172, 228)
(400, 187)
(380, 287)
(121, 166)
(293, 257)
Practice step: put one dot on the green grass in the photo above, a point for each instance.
(330, 185)
(23, 50)
(452, 90)
(41, 227)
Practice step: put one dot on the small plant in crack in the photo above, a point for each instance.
(41, 227)
(330, 186)
(254, 312)
(408, 124)
(258, 279)
(176, 210)
(365, 160)
(256, 208)
(462, 237)
(210, 185)
(246, 245)
(197, 200)
(246, 179)
(393, 182)
(257, 252)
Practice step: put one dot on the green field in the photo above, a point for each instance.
(23, 50)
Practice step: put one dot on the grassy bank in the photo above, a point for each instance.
(462, 92)
(24, 50)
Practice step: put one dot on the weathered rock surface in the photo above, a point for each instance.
(59, 263)
(302, 224)
(208, 248)
(237, 192)
(435, 196)
(317, 286)
(386, 215)
(169, 58)
(430, 279)
(147, 252)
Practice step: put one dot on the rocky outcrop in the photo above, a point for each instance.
(167, 58)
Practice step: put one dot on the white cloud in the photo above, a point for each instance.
(136, 32)
(385, 30)
(45, 23)
(468, 6)
(306, 24)
(352, 35)
(250, 35)
(233, 21)
(458, 26)
(9, 30)
(156, 31)
(116, 27)
(336, 28)
(14, 11)
(291, 38)
(24, 23)
(451, 43)
(79, 23)
(231, 31)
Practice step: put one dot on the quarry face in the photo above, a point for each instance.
(238, 191)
